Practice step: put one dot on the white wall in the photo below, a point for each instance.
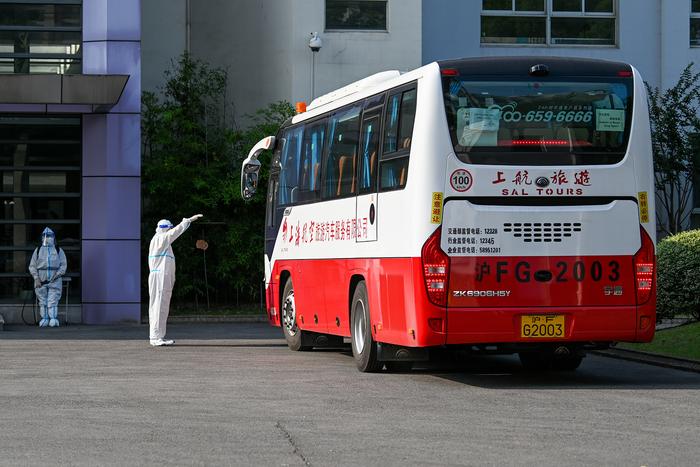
(264, 46)
(653, 36)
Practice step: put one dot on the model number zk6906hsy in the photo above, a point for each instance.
(481, 293)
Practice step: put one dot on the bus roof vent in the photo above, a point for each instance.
(353, 88)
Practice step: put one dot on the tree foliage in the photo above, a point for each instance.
(191, 164)
(675, 128)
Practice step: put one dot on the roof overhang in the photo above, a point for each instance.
(98, 92)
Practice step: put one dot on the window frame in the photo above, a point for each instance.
(350, 30)
(63, 61)
(325, 158)
(548, 14)
(693, 15)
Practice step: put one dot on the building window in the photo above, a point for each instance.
(41, 37)
(695, 23)
(40, 160)
(548, 22)
(356, 15)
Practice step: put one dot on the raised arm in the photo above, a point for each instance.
(180, 228)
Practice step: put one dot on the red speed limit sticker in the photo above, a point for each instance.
(461, 180)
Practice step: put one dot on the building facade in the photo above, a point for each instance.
(70, 93)
(264, 44)
(658, 37)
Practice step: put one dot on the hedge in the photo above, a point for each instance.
(679, 276)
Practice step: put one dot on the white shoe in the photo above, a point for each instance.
(161, 342)
(44, 322)
(53, 323)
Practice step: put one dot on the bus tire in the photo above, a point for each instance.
(292, 333)
(364, 348)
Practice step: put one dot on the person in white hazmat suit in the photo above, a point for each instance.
(161, 261)
(47, 267)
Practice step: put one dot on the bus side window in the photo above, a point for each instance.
(407, 118)
(289, 166)
(341, 162)
(312, 151)
(369, 152)
(398, 133)
(391, 124)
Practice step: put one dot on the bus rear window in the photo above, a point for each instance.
(549, 122)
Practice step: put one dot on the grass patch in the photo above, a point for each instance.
(682, 341)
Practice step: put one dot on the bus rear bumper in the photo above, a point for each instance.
(595, 324)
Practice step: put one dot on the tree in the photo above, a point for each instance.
(675, 128)
(191, 161)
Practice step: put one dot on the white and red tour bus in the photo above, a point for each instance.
(501, 205)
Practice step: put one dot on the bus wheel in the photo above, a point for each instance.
(536, 361)
(364, 349)
(292, 333)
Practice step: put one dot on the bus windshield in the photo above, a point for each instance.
(539, 122)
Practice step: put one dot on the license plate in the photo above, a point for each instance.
(538, 326)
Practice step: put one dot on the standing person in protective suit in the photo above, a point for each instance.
(161, 261)
(47, 267)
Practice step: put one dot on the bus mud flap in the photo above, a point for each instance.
(397, 353)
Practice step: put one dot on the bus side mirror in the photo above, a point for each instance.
(249, 178)
(251, 168)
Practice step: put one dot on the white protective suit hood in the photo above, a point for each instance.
(48, 237)
(163, 226)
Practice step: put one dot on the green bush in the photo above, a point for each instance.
(679, 275)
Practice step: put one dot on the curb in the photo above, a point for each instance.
(216, 319)
(651, 359)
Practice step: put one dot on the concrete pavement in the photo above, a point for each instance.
(233, 394)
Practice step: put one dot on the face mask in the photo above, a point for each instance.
(47, 241)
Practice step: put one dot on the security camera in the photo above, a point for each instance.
(315, 42)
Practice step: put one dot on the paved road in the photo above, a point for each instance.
(233, 394)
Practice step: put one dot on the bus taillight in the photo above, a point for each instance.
(644, 263)
(436, 269)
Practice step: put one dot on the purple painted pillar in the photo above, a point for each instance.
(111, 209)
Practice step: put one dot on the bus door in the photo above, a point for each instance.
(366, 211)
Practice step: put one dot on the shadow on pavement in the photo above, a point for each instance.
(506, 372)
(126, 332)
